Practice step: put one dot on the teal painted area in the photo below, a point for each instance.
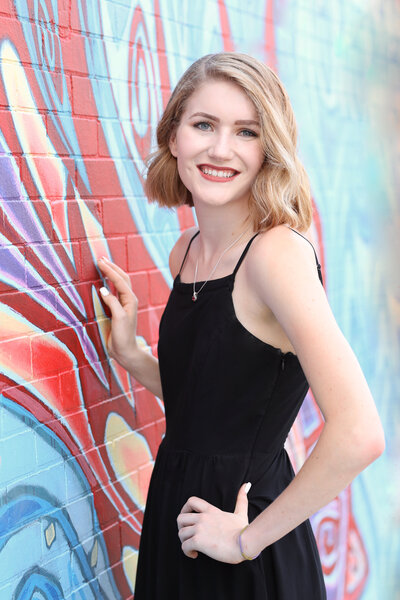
(338, 64)
(49, 509)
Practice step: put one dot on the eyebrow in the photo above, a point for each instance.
(212, 118)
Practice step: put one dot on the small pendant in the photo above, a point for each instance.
(194, 297)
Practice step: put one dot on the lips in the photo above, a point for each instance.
(213, 173)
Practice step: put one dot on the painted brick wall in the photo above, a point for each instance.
(82, 86)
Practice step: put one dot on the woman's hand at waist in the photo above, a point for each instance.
(202, 527)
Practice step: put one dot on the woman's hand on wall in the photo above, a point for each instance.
(121, 343)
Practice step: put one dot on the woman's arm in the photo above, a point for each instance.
(283, 274)
(122, 344)
(143, 366)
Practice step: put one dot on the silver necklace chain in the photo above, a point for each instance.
(195, 294)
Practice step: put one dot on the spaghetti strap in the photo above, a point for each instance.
(315, 254)
(187, 250)
(239, 262)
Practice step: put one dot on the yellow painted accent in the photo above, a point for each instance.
(50, 534)
(129, 563)
(103, 322)
(94, 231)
(14, 326)
(94, 554)
(130, 457)
(143, 344)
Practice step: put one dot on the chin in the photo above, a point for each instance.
(215, 199)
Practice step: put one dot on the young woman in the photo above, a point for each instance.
(246, 330)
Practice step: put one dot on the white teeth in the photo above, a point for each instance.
(216, 173)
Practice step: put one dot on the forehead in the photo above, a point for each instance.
(223, 99)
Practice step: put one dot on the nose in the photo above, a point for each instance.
(221, 147)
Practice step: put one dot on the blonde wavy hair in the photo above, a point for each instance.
(281, 191)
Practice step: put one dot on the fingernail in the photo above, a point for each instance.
(104, 291)
(248, 486)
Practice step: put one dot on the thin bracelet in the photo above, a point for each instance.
(241, 547)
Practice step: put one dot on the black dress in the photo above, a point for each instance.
(230, 401)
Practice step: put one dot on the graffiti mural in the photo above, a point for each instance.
(82, 86)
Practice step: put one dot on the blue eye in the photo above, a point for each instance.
(203, 126)
(248, 133)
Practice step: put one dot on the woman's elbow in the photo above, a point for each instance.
(378, 444)
(370, 445)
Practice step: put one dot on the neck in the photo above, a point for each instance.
(219, 228)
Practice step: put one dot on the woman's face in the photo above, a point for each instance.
(217, 144)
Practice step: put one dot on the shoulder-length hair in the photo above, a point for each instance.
(281, 191)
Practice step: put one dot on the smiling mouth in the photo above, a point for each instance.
(217, 174)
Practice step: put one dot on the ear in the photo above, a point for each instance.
(172, 144)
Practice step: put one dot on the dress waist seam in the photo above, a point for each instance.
(167, 448)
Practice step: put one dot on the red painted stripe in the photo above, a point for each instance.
(269, 36)
(318, 228)
(225, 27)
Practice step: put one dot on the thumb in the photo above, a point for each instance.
(242, 501)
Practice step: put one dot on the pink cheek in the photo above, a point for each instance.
(184, 176)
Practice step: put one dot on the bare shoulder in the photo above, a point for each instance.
(283, 275)
(178, 251)
(281, 254)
